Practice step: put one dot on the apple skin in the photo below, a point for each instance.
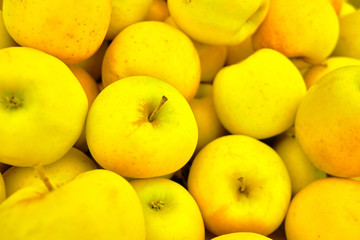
(2, 189)
(170, 211)
(155, 49)
(305, 31)
(209, 125)
(258, 100)
(300, 168)
(121, 138)
(49, 111)
(216, 23)
(96, 205)
(5, 39)
(327, 123)
(59, 172)
(325, 209)
(242, 236)
(72, 33)
(240, 185)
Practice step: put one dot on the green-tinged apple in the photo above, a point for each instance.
(59, 172)
(217, 23)
(300, 168)
(325, 209)
(327, 123)
(257, 99)
(170, 211)
(241, 185)
(141, 127)
(209, 125)
(96, 205)
(42, 107)
(241, 236)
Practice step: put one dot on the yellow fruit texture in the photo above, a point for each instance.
(70, 30)
(154, 49)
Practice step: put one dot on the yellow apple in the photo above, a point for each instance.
(59, 172)
(300, 168)
(327, 123)
(347, 45)
(337, 5)
(325, 209)
(124, 13)
(170, 211)
(141, 127)
(5, 39)
(154, 49)
(315, 72)
(91, 89)
(93, 64)
(216, 22)
(306, 31)
(241, 185)
(346, 8)
(241, 236)
(158, 11)
(257, 99)
(239, 52)
(69, 30)
(96, 205)
(42, 107)
(209, 125)
(2, 189)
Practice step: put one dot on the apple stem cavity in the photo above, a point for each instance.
(242, 185)
(157, 205)
(153, 114)
(39, 169)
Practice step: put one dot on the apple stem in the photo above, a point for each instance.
(152, 115)
(242, 184)
(41, 171)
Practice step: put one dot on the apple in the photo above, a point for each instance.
(42, 107)
(69, 30)
(300, 168)
(239, 52)
(216, 23)
(346, 8)
(209, 125)
(158, 11)
(93, 64)
(91, 89)
(315, 72)
(141, 127)
(124, 13)
(257, 99)
(327, 123)
(97, 204)
(170, 211)
(154, 49)
(242, 236)
(2, 189)
(347, 45)
(325, 209)
(59, 172)
(5, 39)
(305, 31)
(240, 185)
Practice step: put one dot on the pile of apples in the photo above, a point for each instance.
(179, 120)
